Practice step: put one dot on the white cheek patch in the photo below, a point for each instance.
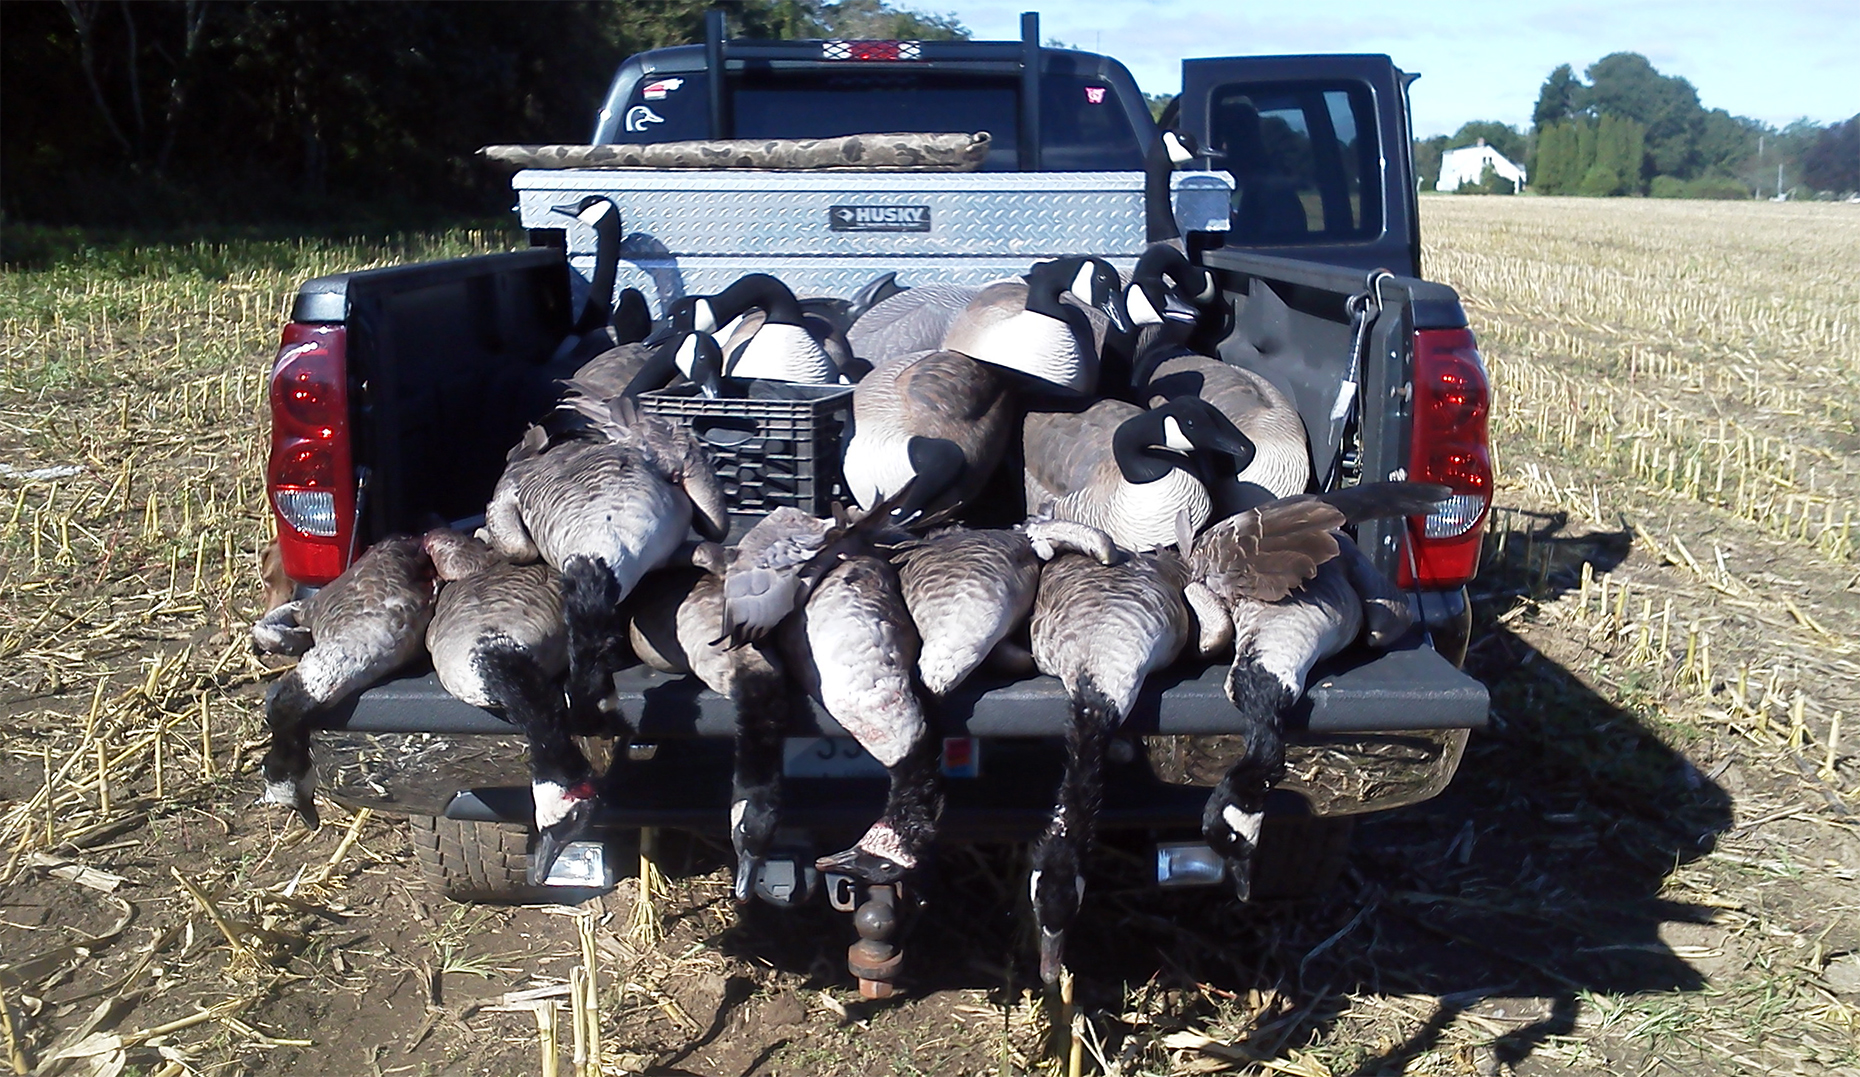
(704, 317)
(1142, 311)
(1082, 285)
(687, 355)
(553, 803)
(1173, 437)
(1244, 823)
(737, 811)
(1033, 887)
(595, 213)
(284, 793)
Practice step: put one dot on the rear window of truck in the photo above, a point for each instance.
(1085, 126)
(1304, 159)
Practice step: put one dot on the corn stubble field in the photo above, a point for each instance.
(1647, 865)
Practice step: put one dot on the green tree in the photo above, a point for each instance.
(1427, 153)
(1559, 99)
(1625, 84)
(1833, 162)
(1620, 146)
(1551, 166)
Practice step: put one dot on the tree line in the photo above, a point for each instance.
(182, 112)
(1626, 129)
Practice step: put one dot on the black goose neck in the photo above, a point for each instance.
(757, 291)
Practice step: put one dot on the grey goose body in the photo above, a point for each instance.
(367, 623)
(1101, 630)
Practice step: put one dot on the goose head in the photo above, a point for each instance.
(1057, 887)
(699, 358)
(456, 554)
(1166, 285)
(752, 291)
(564, 814)
(1089, 281)
(1147, 446)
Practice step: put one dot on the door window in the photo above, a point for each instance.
(1304, 159)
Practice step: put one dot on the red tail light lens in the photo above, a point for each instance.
(1450, 446)
(311, 474)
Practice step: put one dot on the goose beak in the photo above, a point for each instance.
(1113, 308)
(1052, 955)
(551, 840)
(747, 865)
(1232, 442)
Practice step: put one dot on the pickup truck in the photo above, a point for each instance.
(397, 392)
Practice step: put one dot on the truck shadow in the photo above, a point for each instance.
(1536, 877)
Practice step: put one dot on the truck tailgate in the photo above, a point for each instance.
(1408, 688)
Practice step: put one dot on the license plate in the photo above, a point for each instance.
(827, 757)
(841, 757)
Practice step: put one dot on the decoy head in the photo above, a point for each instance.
(593, 211)
(700, 359)
(456, 554)
(1089, 281)
(1166, 286)
(1057, 887)
(1184, 427)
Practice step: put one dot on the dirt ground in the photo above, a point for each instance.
(1645, 865)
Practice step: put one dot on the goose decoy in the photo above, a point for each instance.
(1027, 325)
(1125, 470)
(784, 347)
(909, 322)
(367, 623)
(675, 629)
(498, 641)
(968, 589)
(1281, 464)
(739, 335)
(940, 418)
(589, 334)
(1101, 630)
(846, 312)
(1287, 580)
(603, 512)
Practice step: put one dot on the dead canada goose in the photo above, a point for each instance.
(1101, 629)
(1281, 464)
(1293, 588)
(940, 417)
(853, 647)
(968, 589)
(603, 512)
(498, 641)
(364, 625)
(676, 628)
(1026, 325)
(1125, 470)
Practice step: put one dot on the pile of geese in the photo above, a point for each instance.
(1166, 511)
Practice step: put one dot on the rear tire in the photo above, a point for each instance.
(1301, 856)
(476, 862)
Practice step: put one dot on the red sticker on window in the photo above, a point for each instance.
(656, 91)
(1094, 95)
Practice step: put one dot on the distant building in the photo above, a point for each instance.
(1467, 165)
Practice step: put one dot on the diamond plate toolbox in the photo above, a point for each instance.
(693, 232)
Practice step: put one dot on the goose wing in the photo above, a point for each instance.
(907, 322)
(1066, 449)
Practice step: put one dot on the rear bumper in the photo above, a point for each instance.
(1375, 730)
(1409, 688)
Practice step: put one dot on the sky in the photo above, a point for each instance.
(1773, 60)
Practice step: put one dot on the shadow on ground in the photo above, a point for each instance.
(1537, 875)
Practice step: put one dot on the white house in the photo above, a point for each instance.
(1467, 164)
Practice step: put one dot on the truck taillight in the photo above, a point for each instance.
(311, 474)
(871, 51)
(1450, 446)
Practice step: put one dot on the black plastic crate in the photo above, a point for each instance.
(773, 443)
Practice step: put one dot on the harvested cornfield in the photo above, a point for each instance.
(1647, 865)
